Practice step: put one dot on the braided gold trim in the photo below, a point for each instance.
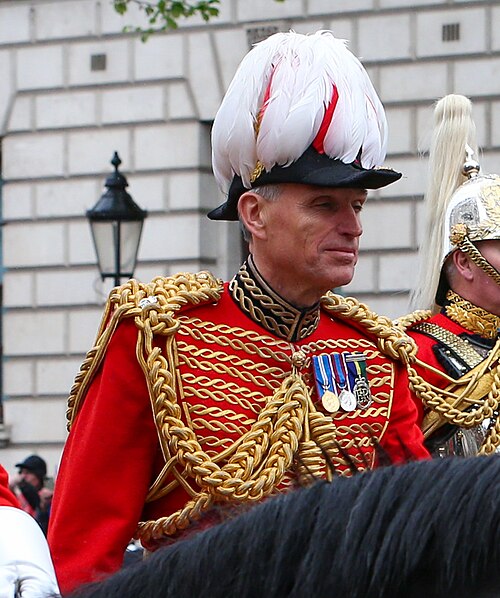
(257, 171)
(461, 347)
(391, 339)
(155, 302)
(466, 402)
(471, 317)
(406, 321)
(259, 460)
(288, 429)
(463, 243)
(256, 298)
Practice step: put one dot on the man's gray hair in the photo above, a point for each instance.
(269, 192)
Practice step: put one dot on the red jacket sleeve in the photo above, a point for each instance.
(7, 498)
(403, 439)
(106, 469)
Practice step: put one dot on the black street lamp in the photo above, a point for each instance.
(116, 223)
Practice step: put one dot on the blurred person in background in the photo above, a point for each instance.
(26, 569)
(29, 487)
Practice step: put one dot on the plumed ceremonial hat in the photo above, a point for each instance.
(463, 203)
(300, 109)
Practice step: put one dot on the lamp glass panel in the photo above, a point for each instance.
(130, 237)
(115, 241)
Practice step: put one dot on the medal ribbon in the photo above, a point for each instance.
(340, 371)
(323, 373)
(356, 366)
(361, 386)
(360, 368)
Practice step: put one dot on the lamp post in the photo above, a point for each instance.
(116, 223)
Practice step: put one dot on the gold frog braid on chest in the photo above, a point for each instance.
(287, 431)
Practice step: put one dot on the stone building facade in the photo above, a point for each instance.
(75, 88)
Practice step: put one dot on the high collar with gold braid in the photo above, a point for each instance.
(470, 316)
(263, 305)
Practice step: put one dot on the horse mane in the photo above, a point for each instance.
(427, 528)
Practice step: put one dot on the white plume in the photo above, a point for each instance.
(300, 73)
(454, 128)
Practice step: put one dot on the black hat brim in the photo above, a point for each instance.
(311, 168)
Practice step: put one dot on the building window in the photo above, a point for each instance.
(451, 32)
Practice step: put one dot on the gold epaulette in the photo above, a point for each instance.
(391, 339)
(152, 305)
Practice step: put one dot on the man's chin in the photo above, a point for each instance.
(342, 279)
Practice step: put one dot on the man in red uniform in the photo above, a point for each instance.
(26, 568)
(456, 377)
(201, 393)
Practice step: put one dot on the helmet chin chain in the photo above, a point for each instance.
(459, 237)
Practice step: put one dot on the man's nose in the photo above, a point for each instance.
(351, 224)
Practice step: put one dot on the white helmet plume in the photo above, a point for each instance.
(454, 130)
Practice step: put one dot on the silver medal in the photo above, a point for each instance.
(347, 400)
(362, 393)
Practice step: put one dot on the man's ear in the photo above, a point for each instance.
(250, 209)
(463, 265)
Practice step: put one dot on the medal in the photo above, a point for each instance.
(346, 398)
(325, 383)
(356, 365)
(330, 402)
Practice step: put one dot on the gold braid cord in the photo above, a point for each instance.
(459, 236)
(466, 402)
(137, 300)
(420, 315)
(255, 469)
(391, 339)
(287, 431)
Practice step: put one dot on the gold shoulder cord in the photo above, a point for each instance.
(420, 315)
(465, 402)
(133, 300)
(287, 428)
(390, 338)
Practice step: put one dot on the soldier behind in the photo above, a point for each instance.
(201, 393)
(456, 377)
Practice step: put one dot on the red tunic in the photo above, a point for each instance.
(7, 498)
(228, 366)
